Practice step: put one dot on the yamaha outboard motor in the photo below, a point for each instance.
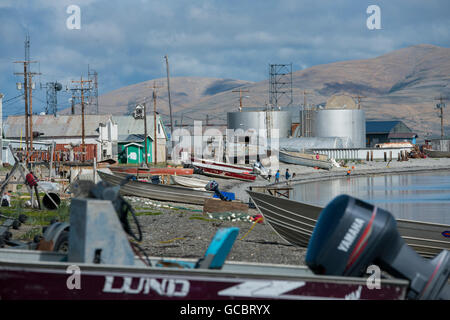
(351, 234)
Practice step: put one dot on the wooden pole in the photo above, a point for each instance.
(155, 135)
(145, 135)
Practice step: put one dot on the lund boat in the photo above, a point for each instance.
(305, 159)
(295, 221)
(158, 191)
(40, 275)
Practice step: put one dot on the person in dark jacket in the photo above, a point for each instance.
(287, 175)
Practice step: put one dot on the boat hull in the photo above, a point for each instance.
(223, 172)
(158, 191)
(37, 280)
(295, 221)
(153, 171)
(296, 158)
(437, 154)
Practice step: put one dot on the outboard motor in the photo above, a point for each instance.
(214, 186)
(351, 234)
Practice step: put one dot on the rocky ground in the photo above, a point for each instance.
(177, 230)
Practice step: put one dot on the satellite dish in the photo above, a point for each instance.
(58, 86)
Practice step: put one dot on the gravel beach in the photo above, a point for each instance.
(179, 230)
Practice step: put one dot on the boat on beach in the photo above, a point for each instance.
(141, 172)
(295, 221)
(437, 153)
(40, 275)
(189, 182)
(157, 191)
(305, 159)
(219, 171)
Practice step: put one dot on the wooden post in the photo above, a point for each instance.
(371, 155)
(368, 156)
(385, 156)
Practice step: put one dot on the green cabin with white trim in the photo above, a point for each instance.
(133, 152)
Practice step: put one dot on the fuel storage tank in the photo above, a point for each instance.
(256, 120)
(341, 123)
(341, 117)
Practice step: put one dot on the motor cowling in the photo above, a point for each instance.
(351, 234)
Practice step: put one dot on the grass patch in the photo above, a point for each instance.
(195, 217)
(148, 213)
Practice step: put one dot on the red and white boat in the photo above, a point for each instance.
(223, 170)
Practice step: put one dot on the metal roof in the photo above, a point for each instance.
(381, 126)
(128, 125)
(51, 126)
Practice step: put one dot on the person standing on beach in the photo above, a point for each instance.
(277, 176)
(287, 175)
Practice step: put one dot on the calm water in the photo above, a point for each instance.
(418, 196)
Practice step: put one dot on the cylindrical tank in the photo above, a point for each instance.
(256, 120)
(341, 123)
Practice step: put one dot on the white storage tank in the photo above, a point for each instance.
(256, 120)
(341, 117)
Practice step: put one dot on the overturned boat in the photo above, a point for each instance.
(295, 221)
(305, 159)
(157, 191)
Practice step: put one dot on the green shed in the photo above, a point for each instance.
(133, 152)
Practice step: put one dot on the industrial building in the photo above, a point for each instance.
(100, 133)
(388, 131)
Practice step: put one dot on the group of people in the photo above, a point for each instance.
(287, 175)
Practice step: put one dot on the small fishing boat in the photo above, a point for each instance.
(153, 171)
(214, 170)
(295, 221)
(157, 191)
(241, 167)
(305, 159)
(40, 275)
(437, 153)
(189, 182)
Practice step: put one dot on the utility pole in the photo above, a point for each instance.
(240, 97)
(145, 163)
(155, 133)
(28, 87)
(82, 89)
(440, 106)
(359, 97)
(170, 104)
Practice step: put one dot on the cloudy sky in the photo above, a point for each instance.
(125, 41)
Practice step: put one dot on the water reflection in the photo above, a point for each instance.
(419, 196)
